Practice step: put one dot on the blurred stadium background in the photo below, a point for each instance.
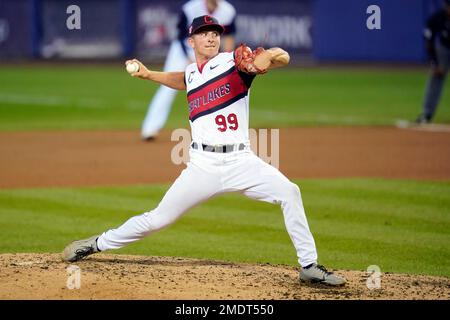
(55, 80)
(353, 75)
(321, 30)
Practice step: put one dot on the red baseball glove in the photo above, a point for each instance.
(252, 62)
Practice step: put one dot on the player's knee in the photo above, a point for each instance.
(292, 191)
(159, 220)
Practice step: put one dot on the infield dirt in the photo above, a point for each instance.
(107, 276)
(51, 159)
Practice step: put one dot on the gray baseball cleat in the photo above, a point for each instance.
(77, 250)
(315, 273)
(423, 119)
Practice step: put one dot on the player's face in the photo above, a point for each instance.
(206, 43)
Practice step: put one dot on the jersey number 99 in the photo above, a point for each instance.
(230, 122)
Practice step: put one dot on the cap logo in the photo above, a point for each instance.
(208, 19)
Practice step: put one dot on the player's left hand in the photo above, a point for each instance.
(252, 62)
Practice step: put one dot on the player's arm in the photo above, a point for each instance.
(260, 60)
(174, 80)
(278, 58)
(271, 58)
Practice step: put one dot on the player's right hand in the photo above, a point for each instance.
(142, 73)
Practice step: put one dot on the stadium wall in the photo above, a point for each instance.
(318, 29)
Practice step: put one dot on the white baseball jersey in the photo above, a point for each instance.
(218, 101)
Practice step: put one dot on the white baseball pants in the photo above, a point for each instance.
(209, 174)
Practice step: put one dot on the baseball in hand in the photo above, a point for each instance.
(132, 67)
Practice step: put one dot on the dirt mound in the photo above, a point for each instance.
(107, 276)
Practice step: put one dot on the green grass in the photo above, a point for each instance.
(43, 97)
(401, 226)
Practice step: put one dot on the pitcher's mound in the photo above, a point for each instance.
(107, 276)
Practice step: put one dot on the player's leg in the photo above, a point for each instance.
(258, 180)
(193, 186)
(432, 94)
(435, 84)
(161, 103)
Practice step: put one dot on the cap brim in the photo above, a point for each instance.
(209, 26)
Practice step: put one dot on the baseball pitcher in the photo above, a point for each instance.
(181, 54)
(218, 87)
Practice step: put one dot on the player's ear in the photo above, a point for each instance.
(191, 42)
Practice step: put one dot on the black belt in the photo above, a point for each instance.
(223, 148)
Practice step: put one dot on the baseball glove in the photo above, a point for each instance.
(252, 62)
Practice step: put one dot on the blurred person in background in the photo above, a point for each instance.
(181, 54)
(437, 36)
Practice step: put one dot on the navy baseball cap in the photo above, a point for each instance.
(205, 23)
